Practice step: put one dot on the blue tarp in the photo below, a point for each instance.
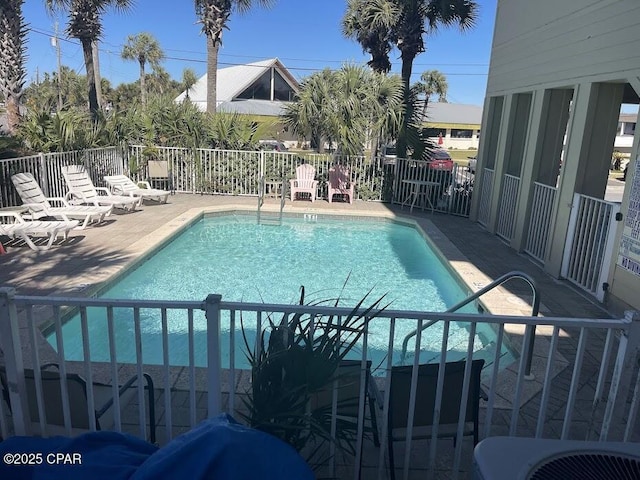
(217, 449)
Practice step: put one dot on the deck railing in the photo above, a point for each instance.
(508, 205)
(597, 384)
(540, 220)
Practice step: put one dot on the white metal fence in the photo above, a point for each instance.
(587, 253)
(508, 205)
(609, 369)
(47, 170)
(233, 172)
(540, 220)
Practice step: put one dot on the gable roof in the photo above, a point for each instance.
(231, 81)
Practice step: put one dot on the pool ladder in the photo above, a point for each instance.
(496, 283)
(270, 218)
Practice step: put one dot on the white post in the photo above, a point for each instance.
(214, 362)
(621, 376)
(10, 344)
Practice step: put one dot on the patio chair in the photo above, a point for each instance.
(425, 403)
(82, 190)
(340, 182)
(304, 181)
(123, 185)
(159, 172)
(40, 206)
(13, 225)
(78, 401)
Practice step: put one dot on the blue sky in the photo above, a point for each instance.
(304, 34)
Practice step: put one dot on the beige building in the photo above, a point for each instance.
(559, 73)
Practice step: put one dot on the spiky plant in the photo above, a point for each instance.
(296, 360)
(12, 57)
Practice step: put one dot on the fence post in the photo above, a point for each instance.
(12, 349)
(621, 377)
(214, 362)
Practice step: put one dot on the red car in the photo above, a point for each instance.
(440, 160)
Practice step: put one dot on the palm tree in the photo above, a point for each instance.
(189, 79)
(84, 24)
(144, 48)
(370, 22)
(432, 82)
(407, 21)
(12, 58)
(214, 16)
(349, 106)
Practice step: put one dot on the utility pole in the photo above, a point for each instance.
(55, 43)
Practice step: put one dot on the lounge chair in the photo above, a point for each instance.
(52, 404)
(123, 185)
(82, 190)
(425, 403)
(304, 181)
(17, 227)
(340, 183)
(40, 206)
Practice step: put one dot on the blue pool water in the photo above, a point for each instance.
(233, 256)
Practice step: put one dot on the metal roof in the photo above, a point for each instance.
(232, 81)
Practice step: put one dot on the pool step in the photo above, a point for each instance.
(270, 219)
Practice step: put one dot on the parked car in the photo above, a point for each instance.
(473, 161)
(272, 145)
(440, 160)
(389, 154)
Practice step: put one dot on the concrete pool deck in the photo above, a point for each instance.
(91, 257)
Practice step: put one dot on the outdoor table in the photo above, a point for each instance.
(419, 187)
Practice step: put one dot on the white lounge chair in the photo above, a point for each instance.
(123, 185)
(25, 230)
(40, 206)
(82, 190)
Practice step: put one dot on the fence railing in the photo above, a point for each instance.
(540, 220)
(235, 172)
(589, 245)
(508, 205)
(219, 327)
(47, 170)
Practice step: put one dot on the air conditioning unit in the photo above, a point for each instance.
(514, 458)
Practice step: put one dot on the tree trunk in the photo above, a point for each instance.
(212, 74)
(407, 66)
(143, 84)
(96, 69)
(91, 78)
(13, 113)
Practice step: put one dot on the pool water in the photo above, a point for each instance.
(233, 256)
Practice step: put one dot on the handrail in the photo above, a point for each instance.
(496, 283)
(282, 196)
(261, 192)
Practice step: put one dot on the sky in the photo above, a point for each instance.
(304, 34)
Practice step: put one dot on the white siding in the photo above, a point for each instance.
(559, 43)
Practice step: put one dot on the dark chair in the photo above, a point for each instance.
(348, 383)
(78, 403)
(425, 402)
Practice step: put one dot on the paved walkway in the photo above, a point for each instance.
(91, 257)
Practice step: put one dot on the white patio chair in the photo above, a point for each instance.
(304, 182)
(13, 225)
(40, 206)
(82, 190)
(123, 185)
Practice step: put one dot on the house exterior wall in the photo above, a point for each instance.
(549, 44)
(584, 47)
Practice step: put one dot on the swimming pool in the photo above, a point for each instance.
(233, 256)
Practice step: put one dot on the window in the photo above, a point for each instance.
(260, 89)
(461, 133)
(435, 132)
(629, 128)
